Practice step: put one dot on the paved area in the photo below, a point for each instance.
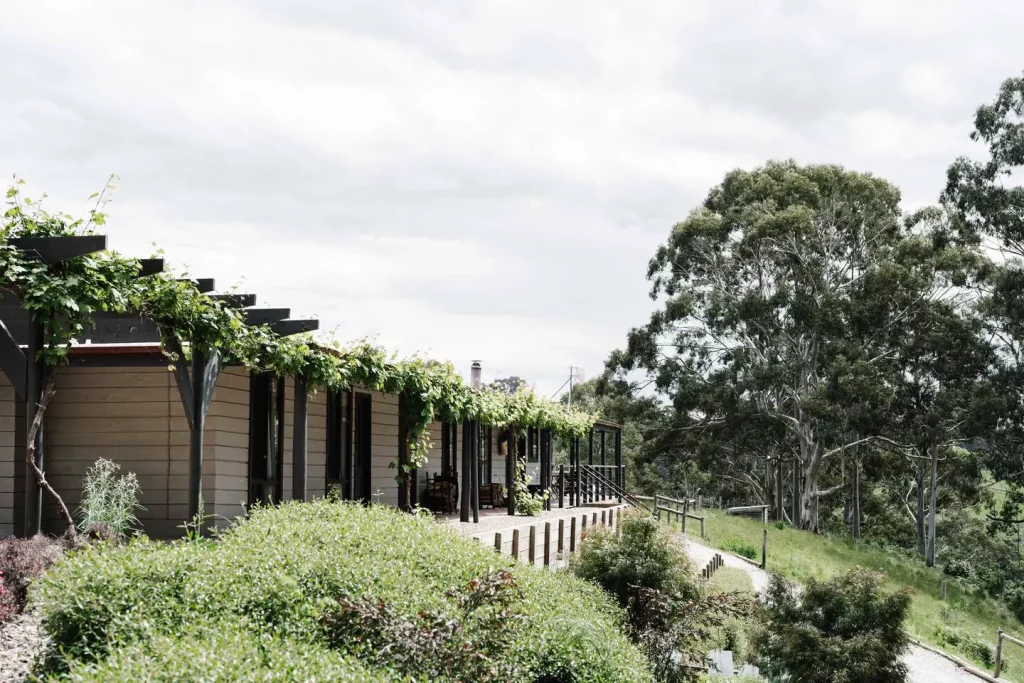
(923, 666)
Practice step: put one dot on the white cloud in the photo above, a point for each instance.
(477, 179)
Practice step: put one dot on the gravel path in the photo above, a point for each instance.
(923, 666)
(21, 640)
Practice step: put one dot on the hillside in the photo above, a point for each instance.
(962, 625)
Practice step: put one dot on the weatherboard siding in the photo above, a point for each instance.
(7, 459)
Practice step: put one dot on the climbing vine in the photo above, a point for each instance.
(66, 296)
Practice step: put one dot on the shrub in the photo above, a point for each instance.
(642, 555)
(740, 548)
(472, 638)
(529, 504)
(282, 572)
(967, 644)
(843, 629)
(109, 501)
(224, 655)
(21, 560)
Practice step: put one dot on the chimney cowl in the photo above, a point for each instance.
(475, 373)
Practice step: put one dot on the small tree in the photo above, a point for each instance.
(842, 630)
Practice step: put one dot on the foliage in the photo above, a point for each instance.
(641, 554)
(801, 556)
(277, 574)
(668, 625)
(740, 548)
(529, 504)
(21, 561)
(782, 299)
(469, 643)
(67, 296)
(224, 655)
(109, 500)
(842, 630)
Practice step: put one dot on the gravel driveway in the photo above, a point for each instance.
(923, 666)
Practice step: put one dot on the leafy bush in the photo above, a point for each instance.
(224, 655)
(529, 504)
(740, 548)
(843, 629)
(642, 555)
(967, 644)
(472, 639)
(21, 560)
(280, 573)
(109, 501)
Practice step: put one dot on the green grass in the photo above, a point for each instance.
(799, 555)
(730, 580)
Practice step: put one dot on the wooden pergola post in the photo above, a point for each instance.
(510, 470)
(620, 478)
(300, 433)
(467, 472)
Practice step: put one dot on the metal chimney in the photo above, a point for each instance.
(475, 371)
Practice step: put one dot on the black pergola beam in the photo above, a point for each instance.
(235, 300)
(58, 249)
(265, 316)
(203, 284)
(286, 328)
(150, 266)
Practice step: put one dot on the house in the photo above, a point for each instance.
(220, 439)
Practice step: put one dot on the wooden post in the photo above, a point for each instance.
(515, 544)
(547, 543)
(999, 653)
(603, 521)
(572, 535)
(561, 486)
(943, 590)
(583, 528)
(657, 510)
(561, 535)
(593, 522)
(618, 522)
(532, 550)
(497, 542)
(702, 528)
(764, 547)
(510, 469)
(686, 511)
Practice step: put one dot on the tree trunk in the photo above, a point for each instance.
(856, 493)
(780, 513)
(30, 458)
(933, 496)
(920, 508)
(795, 516)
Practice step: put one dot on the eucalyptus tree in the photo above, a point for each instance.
(789, 288)
(987, 199)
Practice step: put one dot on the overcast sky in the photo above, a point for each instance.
(463, 178)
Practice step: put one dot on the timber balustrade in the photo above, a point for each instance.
(554, 551)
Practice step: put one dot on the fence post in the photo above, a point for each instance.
(603, 520)
(561, 535)
(686, 510)
(515, 544)
(999, 653)
(618, 522)
(702, 528)
(657, 510)
(583, 528)
(764, 548)
(572, 535)
(532, 550)
(497, 542)
(547, 543)
(942, 588)
(593, 522)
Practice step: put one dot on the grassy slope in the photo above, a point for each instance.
(800, 555)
